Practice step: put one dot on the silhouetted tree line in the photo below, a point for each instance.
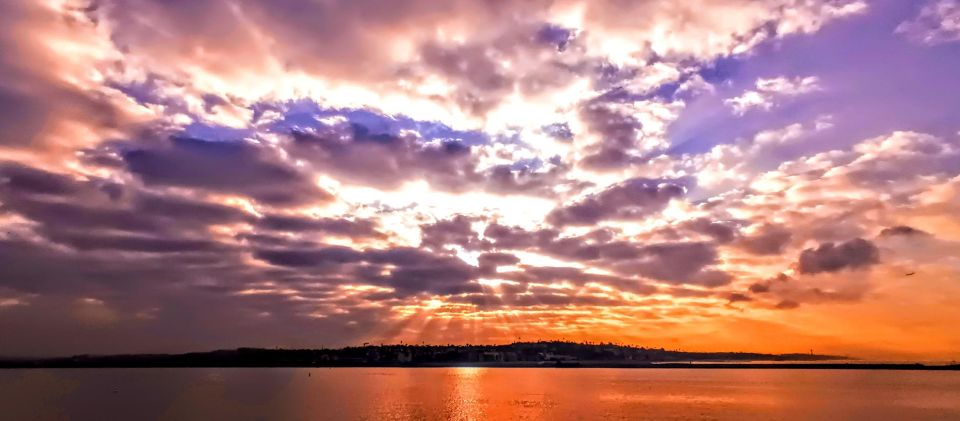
(519, 353)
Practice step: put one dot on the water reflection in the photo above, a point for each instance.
(476, 393)
(465, 403)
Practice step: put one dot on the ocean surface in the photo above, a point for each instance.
(476, 394)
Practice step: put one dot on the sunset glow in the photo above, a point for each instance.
(765, 176)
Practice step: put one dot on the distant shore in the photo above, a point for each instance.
(26, 364)
(542, 354)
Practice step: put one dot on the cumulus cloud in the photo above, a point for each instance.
(346, 144)
(731, 165)
(829, 257)
(48, 101)
(766, 240)
(231, 167)
(685, 263)
(631, 199)
(937, 22)
(332, 226)
(902, 230)
(771, 92)
(620, 131)
(186, 174)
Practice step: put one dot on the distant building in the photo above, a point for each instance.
(550, 356)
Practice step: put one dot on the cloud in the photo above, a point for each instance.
(854, 254)
(787, 305)
(721, 231)
(455, 231)
(44, 104)
(630, 200)
(771, 92)
(406, 270)
(766, 240)
(24, 179)
(489, 262)
(685, 263)
(134, 243)
(731, 165)
(902, 230)
(175, 175)
(346, 145)
(332, 226)
(230, 167)
(937, 22)
(620, 132)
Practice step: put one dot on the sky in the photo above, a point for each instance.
(705, 175)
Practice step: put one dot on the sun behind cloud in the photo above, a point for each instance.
(756, 176)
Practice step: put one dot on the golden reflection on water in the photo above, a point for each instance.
(467, 403)
(477, 394)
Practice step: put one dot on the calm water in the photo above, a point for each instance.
(476, 393)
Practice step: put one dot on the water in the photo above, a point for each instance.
(476, 393)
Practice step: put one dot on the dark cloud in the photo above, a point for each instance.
(721, 231)
(679, 262)
(25, 179)
(902, 230)
(95, 268)
(454, 231)
(853, 254)
(61, 214)
(767, 240)
(619, 131)
(480, 80)
(332, 255)
(787, 305)
(559, 131)
(232, 167)
(131, 230)
(39, 107)
(507, 237)
(63, 205)
(676, 262)
(186, 211)
(134, 243)
(169, 303)
(768, 285)
(446, 277)
(633, 199)
(508, 179)
(576, 276)
(489, 262)
(408, 270)
(349, 151)
(333, 226)
(555, 35)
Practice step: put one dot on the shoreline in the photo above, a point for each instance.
(707, 365)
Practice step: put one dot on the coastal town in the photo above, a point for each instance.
(518, 354)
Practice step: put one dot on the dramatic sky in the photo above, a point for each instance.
(756, 175)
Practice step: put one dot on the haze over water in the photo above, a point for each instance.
(477, 393)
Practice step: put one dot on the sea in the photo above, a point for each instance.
(477, 394)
